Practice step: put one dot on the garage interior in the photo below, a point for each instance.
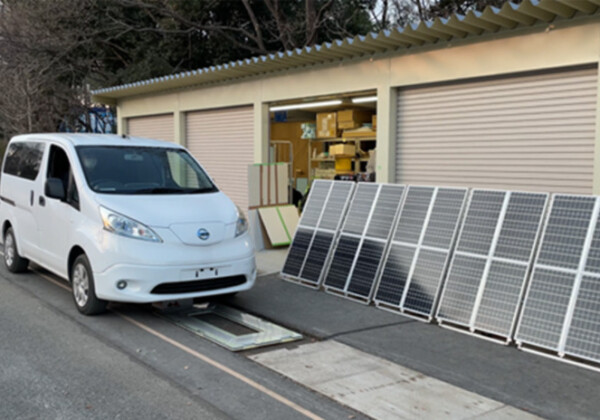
(326, 137)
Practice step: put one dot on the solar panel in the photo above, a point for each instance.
(417, 258)
(487, 275)
(584, 332)
(317, 231)
(363, 240)
(297, 252)
(317, 256)
(311, 214)
(561, 311)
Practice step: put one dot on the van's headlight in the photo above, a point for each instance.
(123, 225)
(242, 223)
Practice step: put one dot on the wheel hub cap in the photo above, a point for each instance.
(80, 285)
(9, 250)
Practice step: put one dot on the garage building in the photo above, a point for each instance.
(503, 99)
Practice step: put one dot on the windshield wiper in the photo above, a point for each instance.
(174, 190)
(160, 190)
(201, 190)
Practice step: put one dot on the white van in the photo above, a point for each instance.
(122, 218)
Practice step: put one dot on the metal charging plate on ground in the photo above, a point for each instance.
(230, 328)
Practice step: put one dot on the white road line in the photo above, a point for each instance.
(223, 368)
(60, 284)
(204, 358)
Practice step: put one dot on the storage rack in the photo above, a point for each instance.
(357, 147)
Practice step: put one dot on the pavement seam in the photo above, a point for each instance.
(493, 410)
(259, 387)
(455, 378)
(130, 355)
(451, 376)
(365, 329)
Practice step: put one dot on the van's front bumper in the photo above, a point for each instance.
(153, 283)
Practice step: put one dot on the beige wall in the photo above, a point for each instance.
(553, 48)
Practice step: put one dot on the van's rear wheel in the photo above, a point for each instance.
(13, 261)
(84, 289)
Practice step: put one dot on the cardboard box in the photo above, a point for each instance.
(353, 118)
(342, 150)
(363, 132)
(327, 125)
(374, 122)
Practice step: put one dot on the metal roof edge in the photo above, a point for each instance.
(472, 25)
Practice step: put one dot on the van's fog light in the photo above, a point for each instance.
(121, 284)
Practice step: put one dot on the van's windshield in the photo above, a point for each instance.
(142, 170)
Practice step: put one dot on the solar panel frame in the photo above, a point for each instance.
(482, 324)
(316, 228)
(418, 249)
(581, 273)
(348, 233)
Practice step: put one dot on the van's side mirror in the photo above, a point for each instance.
(55, 189)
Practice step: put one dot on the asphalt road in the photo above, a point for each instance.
(128, 363)
(545, 387)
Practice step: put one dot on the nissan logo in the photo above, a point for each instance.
(203, 234)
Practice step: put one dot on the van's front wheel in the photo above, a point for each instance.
(13, 261)
(83, 287)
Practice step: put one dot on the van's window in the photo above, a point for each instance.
(142, 170)
(60, 167)
(23, 159)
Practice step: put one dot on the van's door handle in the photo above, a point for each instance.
(42, 201)
(31, 198)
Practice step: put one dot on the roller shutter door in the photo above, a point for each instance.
(223, 142)
(533, 133)
(158, 127)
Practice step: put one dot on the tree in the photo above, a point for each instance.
(53, 51)
(254, 27)
(40, 64)
(389, 13)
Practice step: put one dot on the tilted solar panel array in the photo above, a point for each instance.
(489, 268)
(398, 246)
(317, 231)
(417, 258)
(561, 311)
(363, 240)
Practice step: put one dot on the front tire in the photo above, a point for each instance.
(84, 289)
(13, 261)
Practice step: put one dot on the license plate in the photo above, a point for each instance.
(200, 273)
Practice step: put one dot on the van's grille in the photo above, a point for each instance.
(198, 285)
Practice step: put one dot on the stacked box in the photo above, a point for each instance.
(352, 118)
(342, 150)
(327, 125)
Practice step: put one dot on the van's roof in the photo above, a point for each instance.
(85, 139)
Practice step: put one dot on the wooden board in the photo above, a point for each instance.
(282, 173)
(272, 180)
(289, 215)
(268, 185)
(276, 230)
(264, 182)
